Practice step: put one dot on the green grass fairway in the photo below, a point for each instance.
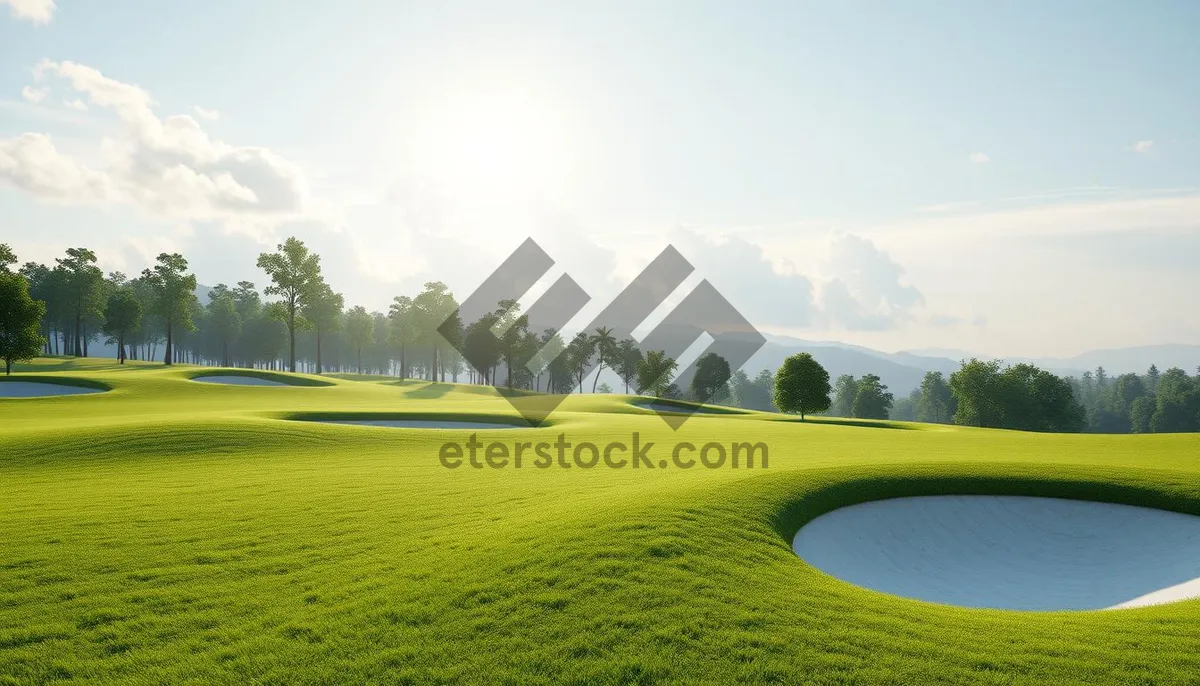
(169, 531)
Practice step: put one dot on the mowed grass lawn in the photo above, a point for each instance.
(169, 531)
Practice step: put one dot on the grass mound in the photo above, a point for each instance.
(176, 534)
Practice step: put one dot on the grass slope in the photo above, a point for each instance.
(177, 532)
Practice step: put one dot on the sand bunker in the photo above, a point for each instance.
(40, 389)
(420, 423)
(1009, 552)
(239, 380)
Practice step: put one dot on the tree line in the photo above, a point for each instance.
(298, 322)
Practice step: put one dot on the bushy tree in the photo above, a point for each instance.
(1178, 403)
(873, 401)
(802, 386)
(844, 391)
(710, 383)
(7, 257)
(1020, 397)
(655, 373)
(935, 402)
(20, 320)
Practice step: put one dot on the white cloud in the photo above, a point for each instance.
(32, 163)
(169, 167)
(980, 158)
(36, 11)
(767, 294)
(1143, 146)
(864, 290)
(76, 104)
(34, 95)
(211, 115)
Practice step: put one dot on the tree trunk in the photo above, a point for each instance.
(78, 328)
(318, 351)
(121, 347)
(167, 351)
(360, 359)
(292, 335)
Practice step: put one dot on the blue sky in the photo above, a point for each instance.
(1011, 178)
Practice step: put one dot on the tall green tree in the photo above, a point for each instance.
(845, 389)
(935, 403)
(606, 350)
(83, 281)
(122, 315)
(1141, 413)
(1178, 403)
(20, 320)
(710, 383)
(174, 296)
(360, 328)
(873, 400)
(627, 359)
(433, 307)
(7, 257)
(224, 319)
(580, 352)
(402, 330)
(802, 386)
(655, 373)
(512, 341)
(323, 309)
(294, 271)
(977, 389)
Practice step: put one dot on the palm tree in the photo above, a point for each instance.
(655, 372)
(606, 347)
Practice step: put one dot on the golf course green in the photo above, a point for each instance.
(168, 531)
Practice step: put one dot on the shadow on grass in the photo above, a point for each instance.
(840, 421)
(504, 420)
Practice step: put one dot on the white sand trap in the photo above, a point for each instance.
(420, 423)
(40, 389)
(1009, 552)
(238, 380)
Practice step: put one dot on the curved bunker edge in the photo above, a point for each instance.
(791, 512)
(36, 386)
(255, 377)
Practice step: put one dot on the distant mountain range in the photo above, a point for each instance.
(903, 371)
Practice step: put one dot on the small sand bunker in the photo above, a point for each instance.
(239, 380)
(41, 389)
(421, 423)
(1009, 552)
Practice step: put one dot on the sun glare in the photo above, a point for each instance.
(493, 148)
